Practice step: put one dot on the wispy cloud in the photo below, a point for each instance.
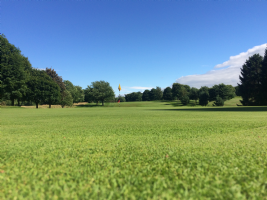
(228, 75)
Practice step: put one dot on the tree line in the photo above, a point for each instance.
(184, 93)
(22, 83)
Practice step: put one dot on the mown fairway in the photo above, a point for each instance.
(158, 152)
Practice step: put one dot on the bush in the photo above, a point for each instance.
(219, 101)
(185, 100)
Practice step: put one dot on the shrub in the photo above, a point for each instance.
(219, 101)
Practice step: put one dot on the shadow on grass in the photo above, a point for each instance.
(221, 109)
(88, 106)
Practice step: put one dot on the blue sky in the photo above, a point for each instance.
(138, 44)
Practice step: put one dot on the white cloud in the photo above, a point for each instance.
(141, 88)
(228, 76)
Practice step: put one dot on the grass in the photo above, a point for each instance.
(156, 151)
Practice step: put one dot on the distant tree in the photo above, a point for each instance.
(121, 98)
(250, 81)
(185, 100)
(204, 98)
(66, 99)
(134, 96)
(159, 93)
(194, 94)
(153, 94)
(167, 94)
(188, 88)
(57, 79)
(13, 77)
(79, 94)
(183, 92)
(203, 89)
(101, 91)
(231, 92)
(176, 88)
(88, 96)
(218, 102)
(226, 92)
(145, 96)
(42, 88)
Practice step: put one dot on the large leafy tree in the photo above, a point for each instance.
(101, 91)
(145, 96)
(42, 88)
(250, 86)
(13, 76)
(56, 78)
(167, 94)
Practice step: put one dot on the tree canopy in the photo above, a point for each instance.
(101, 91)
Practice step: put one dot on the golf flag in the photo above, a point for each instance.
(119, 101)
(119, 87)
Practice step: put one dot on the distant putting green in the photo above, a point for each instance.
(156, 151)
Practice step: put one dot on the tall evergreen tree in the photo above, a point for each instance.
(251, 76)
(264, 78)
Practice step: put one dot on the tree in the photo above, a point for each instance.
(145, 96)
(57, 79)
(250, 79)
(167, 94)
(122, 99)
(204, 98)
(159, 93)
(134, 96)
(66, 99)
(219, 101)
(203, 89)
(101, 91)
(13, 76)
(42, 88)
(185, 100)
(176, 88)
(226, 92)
(88, 94)
(79, 93)
(153, 94)
(194, 94)
(264, 78)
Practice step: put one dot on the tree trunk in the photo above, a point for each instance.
(102, 102)
(18, 102)
(49, 105)
(13, 102)
(36, 104)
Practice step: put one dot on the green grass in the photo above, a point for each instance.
(149, 152)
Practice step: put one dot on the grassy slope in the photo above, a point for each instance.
(133, 153)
